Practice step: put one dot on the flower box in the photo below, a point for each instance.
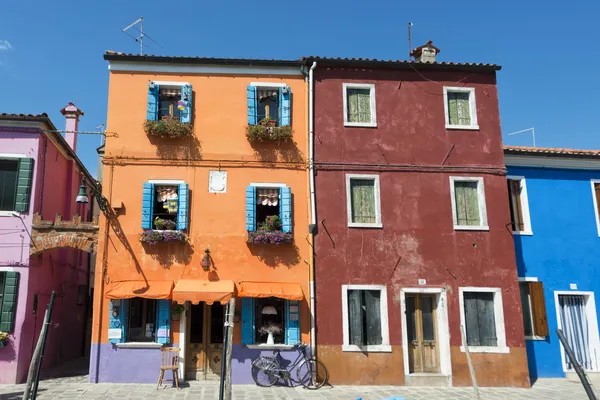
(154, 236)
(168, 128)
(259, 133)
(269, 237)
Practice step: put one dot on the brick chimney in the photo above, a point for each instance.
(425, 53)
(71, 113)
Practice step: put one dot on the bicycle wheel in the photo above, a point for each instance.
(264, 371)
(312, 374)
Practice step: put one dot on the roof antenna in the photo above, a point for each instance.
(140, 38)
(410, 25)
(525, 130)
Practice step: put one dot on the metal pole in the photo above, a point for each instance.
(225, 384)
(470, 362)
(43, 336)
(141, 36)
(580, 372)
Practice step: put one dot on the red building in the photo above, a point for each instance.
(412, 214)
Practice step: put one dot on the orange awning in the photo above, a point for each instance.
(282, 290)
(147, 289)
(196, 291)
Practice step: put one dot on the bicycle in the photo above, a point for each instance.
(311, 373)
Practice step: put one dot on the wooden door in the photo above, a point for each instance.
(214, 352)
(195, 355)
(205, 343)
(423, 346)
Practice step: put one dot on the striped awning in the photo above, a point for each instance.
(170, 92)
(267, 197)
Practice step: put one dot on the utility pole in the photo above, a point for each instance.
(225, 389)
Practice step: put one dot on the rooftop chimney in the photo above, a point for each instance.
(425, 53)
(71, 113)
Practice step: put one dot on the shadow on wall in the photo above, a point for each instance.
(8, 353)
(276, 255)
(270, 152)
(169, 253)
(114, 223)
(185, 148)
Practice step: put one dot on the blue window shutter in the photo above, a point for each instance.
(147, 205)
(163, 321)
(182, 207)
(152, 112)
(119, 322)
(8, 305)
(251, 94)
(185, 115)
(250, 208)
(285, 107)
(247, 320)
(24, 184)
(285, 209)
(292, 322)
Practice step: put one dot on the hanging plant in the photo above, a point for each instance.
(168, 128)
(269, 232)
(4, 340)
(153, 237)
(266, 130)
(164, 224)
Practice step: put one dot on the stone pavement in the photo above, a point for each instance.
(78, 388)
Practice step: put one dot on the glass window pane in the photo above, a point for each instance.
(410, 318)
(526, 305)
(467, 203)
(359, 105)
(480, 319)
(217, 315)
(8, 184)
(459, 112)
(269, 317)
(141, 320)
(196, 322)
(362, 192)
(427, 316)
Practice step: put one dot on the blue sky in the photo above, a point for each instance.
(51, 51)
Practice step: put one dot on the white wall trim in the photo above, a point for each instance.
(528, 279)
(371, 87)
(514, 160)
(443, 332)
(166, 181)
(183, 340)
(524, 204)
(385, 334)
(472, 107)
(13, 155)
(483, 222)
(268, 84)
(138, 345)
(10, 214)
(378, 223)
(592, 317)
(170, 84)
(498, 317)
(125, 66)
(6, 269)
(268, 185)
(592, 181)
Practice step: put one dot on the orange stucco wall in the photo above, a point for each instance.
(216, 221)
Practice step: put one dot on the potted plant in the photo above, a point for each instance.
(176, 311)
(164, 224)
(268, 121)
(270, 329)
(3, 339)
(152, 237)
(269, 232)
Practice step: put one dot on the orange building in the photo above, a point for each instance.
(205, 171)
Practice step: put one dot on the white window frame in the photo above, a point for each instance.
(525, 280)
(375, 179)
(472, 107)
(371, 87)
(385, 346)
(14, 213)
(498, 319)
(592, 181)
(524, 204)
(483, 221)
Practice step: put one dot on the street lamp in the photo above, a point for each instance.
(96, 192)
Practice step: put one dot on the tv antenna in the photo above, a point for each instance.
(143, 35)
(525, 130)
(410, 25)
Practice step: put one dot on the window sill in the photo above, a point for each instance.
(542, 338)
(378, 348)
(463, 127)
(524, 233)
(265, 346)
(9, 214)
(139, 345)
(364, 225)
(361, 124)
(471, 228)
(486, 349)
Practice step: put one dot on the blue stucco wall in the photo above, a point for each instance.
(564, 248)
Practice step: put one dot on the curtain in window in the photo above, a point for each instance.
(267, 197)
(467, 203)
(355, 317)
(459, 112)
(359, 105)
(170, 92)
(362, 192)
(575, 327)
(373, 316)
(480, 319)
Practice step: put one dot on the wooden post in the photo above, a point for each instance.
(228, 347)
(470, 362)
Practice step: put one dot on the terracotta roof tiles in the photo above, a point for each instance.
(557, 151)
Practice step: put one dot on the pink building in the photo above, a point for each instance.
(40, 174)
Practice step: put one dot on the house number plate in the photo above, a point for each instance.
(114, 333)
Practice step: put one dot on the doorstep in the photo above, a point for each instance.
(428, 380)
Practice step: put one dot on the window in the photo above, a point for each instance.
(459, 107)
(535, 320)
(468, 203)
(269, 316)
(482, 316)
(269, 102)
(596, 197)
(519, 205)
(363, 201)
(139, 320)
(167, 103)
(359, 105)
(141, 325)
(278, 316)
(169, 100)
(365, 319)
(165, 205)
(15, 183)
(264, 200)
(9, 284)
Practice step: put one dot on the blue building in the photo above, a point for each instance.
(554, 198)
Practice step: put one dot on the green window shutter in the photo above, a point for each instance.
(452, 109)
(8, 307)
(459, 110)
(362, 193)
(24, 184)
(467, 203)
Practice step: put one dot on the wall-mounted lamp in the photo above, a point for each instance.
(96, 191)
(206, 260)
(115, 308)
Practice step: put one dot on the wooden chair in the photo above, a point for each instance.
(170, 362)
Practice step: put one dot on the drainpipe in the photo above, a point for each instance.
(313, 217)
